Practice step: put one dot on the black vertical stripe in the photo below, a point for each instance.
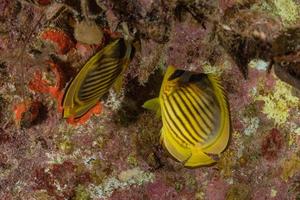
(91, 79)
(183, 108)
(95, 93)
(100, 82)
(191, 113)
(179, 119)
(200, 115)
(92, 96)
(104, 69)
(175, 137)
(168, 116)
(89, 92)
(203, 110)
(208, 107)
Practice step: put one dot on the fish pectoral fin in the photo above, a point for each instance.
(198, 158)
(153, 105)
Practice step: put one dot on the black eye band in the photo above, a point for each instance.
(176, 74)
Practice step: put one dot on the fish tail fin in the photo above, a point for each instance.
(198, 158)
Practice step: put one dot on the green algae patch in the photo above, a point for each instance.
(81, 193)
(287, 10)
(290, 167)
(239, 191)
(278, 103)
(132, 160)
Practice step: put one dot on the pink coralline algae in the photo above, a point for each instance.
(117, 155)
(159, 190)
(272, 144)
(44, 2)
(60, 180)
(216, 189)
(226, 4)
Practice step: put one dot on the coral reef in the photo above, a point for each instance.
(114, 150)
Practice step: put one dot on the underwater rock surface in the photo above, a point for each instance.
(114, 151)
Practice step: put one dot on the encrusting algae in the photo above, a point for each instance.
(278, 104)
(120, 153)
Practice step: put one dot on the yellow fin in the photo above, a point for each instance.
(221, 142)
(78, 110)
(118, 84)
(176, 150)
(153, 105)
(198, 158)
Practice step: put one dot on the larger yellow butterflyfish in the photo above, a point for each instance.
(195, 116)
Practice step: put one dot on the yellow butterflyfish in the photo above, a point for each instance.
(101, 72)
(195, 116)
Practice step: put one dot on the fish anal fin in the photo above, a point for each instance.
(78, 110)
(176, 150)
(198, 158)
(67, 112)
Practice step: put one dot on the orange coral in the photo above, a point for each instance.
(94, 111)
(42, 86)
(59, 38)
(26, 112)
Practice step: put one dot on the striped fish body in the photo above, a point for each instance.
(195, 116)
(97, 76)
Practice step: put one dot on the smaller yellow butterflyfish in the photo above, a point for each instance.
(101, 72)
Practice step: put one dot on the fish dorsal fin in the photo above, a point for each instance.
(170, 70)
(153, 105)
(219, 144)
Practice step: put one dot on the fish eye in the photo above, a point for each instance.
(284, 63)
